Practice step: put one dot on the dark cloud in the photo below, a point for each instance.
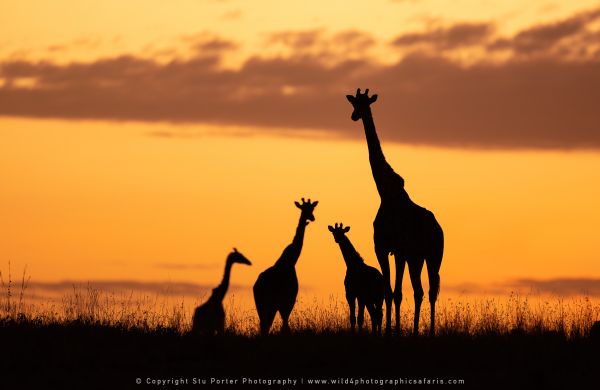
(458, 35)
(538, 102)
(424, 100)
(562, 37)
(128, 286)
(543, 38)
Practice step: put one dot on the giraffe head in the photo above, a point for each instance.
(307, 209)
(339, 231)
(237, 257)
(361, 103)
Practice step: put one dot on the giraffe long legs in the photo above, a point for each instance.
(371, 311)
(285, 326)
(433, 273)
(220, 322)
(375, 314)
(285, 316)
(414, 269)
(400, 263)
(434, 288)
(266, 317)
(361, 315)
(352, 305)
(382, 258)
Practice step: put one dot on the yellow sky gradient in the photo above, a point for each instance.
(103, 200)
(99, 200)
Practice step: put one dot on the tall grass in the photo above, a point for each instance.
(466, 316)
(11, 308)
(87, 305)
(518, 314)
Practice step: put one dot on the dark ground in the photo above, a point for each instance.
(85, 356)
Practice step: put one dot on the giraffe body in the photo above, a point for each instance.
(209, 318)
(407, 230)
(275, 290)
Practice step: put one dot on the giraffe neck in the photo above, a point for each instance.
(375, 152)
(291, 253)
(386, 179)
(221, 290)
(349, 253)
(298, 240)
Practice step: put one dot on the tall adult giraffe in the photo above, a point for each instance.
(402, 228)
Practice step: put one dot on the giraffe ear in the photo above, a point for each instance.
(373, 99)
(315, 203)
(346, 229)
(351, 98)
(330, 228)
(298, 205)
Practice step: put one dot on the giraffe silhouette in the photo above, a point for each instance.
(362, 283)
(402, 228)
(209, 318)
(276, 288)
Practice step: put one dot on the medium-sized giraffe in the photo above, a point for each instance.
(363, 283)
(209, 318)
(276, 288)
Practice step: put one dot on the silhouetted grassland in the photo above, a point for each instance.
(96, 340)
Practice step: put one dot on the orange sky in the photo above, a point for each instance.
(150, 188)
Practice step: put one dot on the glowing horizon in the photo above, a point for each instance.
(144, 148)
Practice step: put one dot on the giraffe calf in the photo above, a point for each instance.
(363, 283)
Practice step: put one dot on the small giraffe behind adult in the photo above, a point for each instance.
(209, 318)
(276, 288)
(363, 283)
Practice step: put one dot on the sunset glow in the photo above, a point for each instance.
(142, 140)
